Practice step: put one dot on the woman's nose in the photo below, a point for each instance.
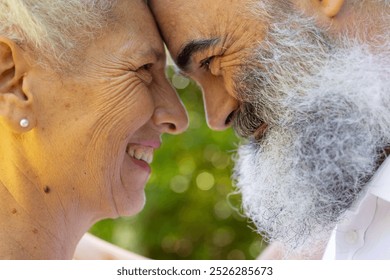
(169, 116)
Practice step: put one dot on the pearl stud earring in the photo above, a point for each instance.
(24, 123)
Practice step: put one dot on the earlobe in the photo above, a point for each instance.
(331, 8)
(16, 113)
(15, 103)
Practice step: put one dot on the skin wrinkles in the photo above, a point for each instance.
(119, 88)
(226, 56)
(220, 65)
(228, 67)
(122, 91)
(81, 125)
(122, 85)
(222, 55)
(289, 75)
(122, 81)
(113, 64)
(114, 69)
(121, 68)
(190, 49)
(219, 46)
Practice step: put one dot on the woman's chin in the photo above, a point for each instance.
(132, 206)
(129, 195)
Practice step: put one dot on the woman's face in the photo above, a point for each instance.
(97, 130)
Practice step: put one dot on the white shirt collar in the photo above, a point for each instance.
(380, 183)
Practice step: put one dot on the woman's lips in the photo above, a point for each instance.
(143, 164)
(141, 153)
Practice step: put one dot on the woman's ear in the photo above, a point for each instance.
(15, 103)
(330, 8)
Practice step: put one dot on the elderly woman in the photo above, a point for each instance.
(83, 103)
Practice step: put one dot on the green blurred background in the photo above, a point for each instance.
(191, 210)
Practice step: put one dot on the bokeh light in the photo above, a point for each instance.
(179, 81)
(205, 181)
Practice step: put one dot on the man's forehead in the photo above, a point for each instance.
(179, 10)
(199, 12)
(179, 27)
(190, 27)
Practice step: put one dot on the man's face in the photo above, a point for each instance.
(313, 109)
(209, 40)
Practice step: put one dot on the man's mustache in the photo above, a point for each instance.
(246, 120)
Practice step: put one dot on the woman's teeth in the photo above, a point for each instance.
(141, 153)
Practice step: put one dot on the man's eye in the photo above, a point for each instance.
(205, 63)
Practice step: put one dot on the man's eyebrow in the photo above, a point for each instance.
(191, 48)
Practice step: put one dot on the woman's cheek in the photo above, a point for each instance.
(141, 101)
(131, 94)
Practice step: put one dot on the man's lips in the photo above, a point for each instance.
(246, 132)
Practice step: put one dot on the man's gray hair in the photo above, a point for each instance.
(56, 31)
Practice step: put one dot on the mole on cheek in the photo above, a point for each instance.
(46, 189)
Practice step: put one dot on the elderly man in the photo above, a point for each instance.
(306, 82)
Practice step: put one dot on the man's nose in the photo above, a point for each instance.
(219, 106)
(169, 115)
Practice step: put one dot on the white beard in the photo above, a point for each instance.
(328, 110)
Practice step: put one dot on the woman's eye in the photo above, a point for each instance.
(205, 63)
(146, 67)
(144, 73)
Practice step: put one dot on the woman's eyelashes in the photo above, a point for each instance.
(146, 67)
(144, 73)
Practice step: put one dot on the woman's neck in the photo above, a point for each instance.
(37, 222)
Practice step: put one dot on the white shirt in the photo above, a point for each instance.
(365, 232)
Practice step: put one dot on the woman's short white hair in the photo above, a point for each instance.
(56, 31)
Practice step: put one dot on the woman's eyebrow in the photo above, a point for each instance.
(191, 48)
(151, 53)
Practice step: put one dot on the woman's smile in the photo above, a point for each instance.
(142, 154)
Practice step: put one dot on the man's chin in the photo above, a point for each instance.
(283, 207)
